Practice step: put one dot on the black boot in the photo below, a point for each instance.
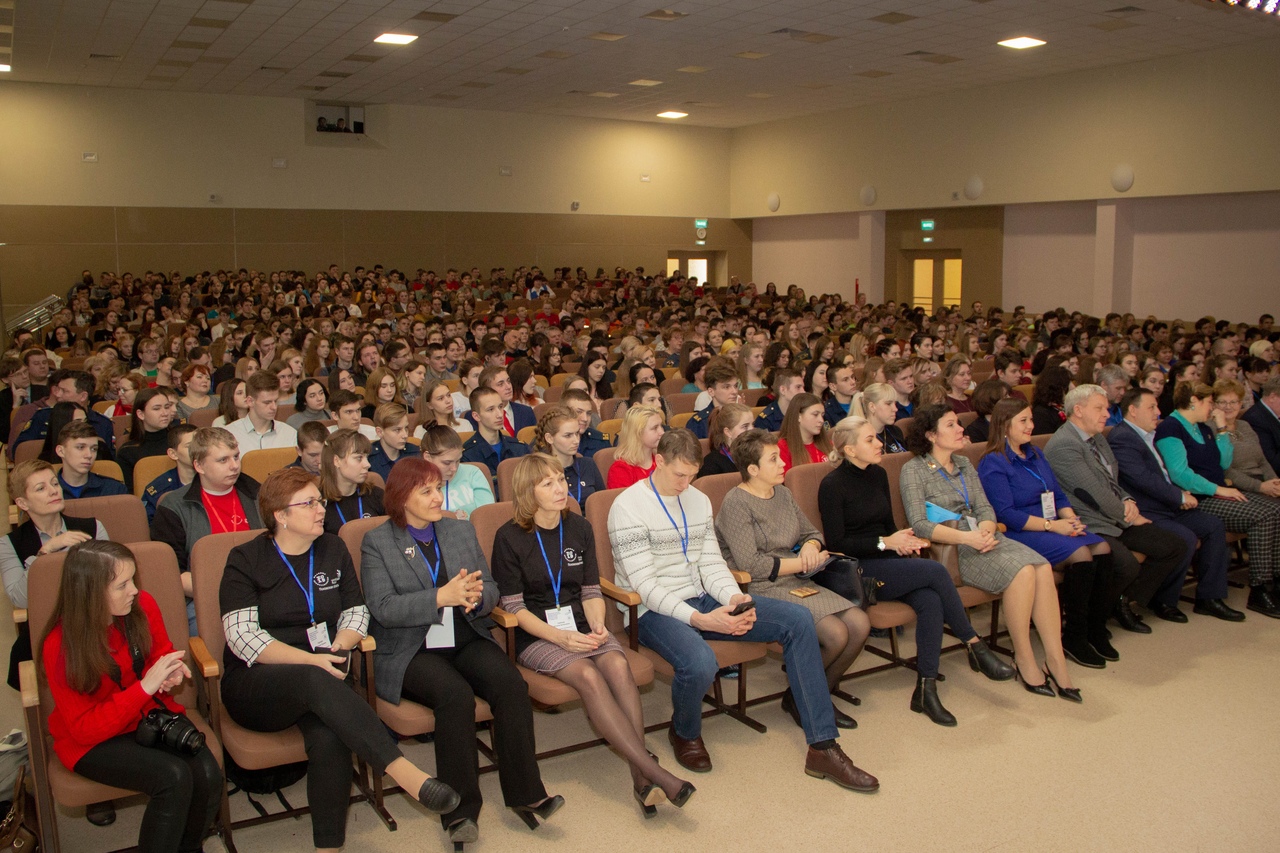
(1100, 607)
(983, 660)
(1077, 589)
(925, 701)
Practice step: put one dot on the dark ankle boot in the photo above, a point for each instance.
(1077, 591)
(985, 661)
(925, 701)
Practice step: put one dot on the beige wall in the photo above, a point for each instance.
(823, 254)
(1049, 255)
(48, 246)
(1199, 123)
(171, 149)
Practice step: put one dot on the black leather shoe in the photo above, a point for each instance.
(925, 701)
(1217, 608)
(789, 705)
(1102, 645)
(1080, 651)
(100, 814)
(1041, 689)
(1129, 620)
(1168, 613)
(983, 660)
(843, 720)
(1262, 601)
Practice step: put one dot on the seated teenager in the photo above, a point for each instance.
(233, 402)
(344, 480)
(219, 500)
(957, 376)
(347, 408)
(722, 387)
(558, 437)
(259, 429)
(727, 423)
(787, 384)
(857, 518)
(638, 439)
(312, 437)
(148, 431)
(515, 415)
(101, 698)
(804, 436)
(391, 420)
(466, 487)
(288, 649)
(880, 408)
(843, 385)
(899, 376)
(182, 475)
(491, 442)
(313, 404)
(676, 568)
(544, 561)
(763, 532)
(985, 397)
(590, 439)
(437, 406)
(1047, 410)
(77, 448)
(430, 618)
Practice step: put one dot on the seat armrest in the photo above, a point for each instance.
(19, 615)
(209, 667)
(623, 596)
(502, 618)
(367, 645)
(741, 578)
(28, 683)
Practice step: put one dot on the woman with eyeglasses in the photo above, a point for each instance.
(293, 614)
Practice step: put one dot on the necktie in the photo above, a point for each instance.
(1111, 477)
(507, 425)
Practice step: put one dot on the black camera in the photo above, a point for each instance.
(174, 732)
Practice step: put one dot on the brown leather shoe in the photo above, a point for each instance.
(833, 764)
(692, 754)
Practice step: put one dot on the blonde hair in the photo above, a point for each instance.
(530, 471)
(22, 472)
(876, 392)
(845, 432)
(633, 422)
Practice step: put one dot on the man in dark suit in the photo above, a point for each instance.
(1088, 472)
(1143, 475)
(1264, 417)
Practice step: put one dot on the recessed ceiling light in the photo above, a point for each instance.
(5, 68)
(665, 15)
(643, 82)
(694, 69)
(1021, 43)
(395, 38)
(606, 36)
(672, 114)
(751, 54)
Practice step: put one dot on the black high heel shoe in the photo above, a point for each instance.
(1041, 689)
(1071, 694)
(682, 796)
(532, 814)
(437, 796)
(983, 660)
(649, 797)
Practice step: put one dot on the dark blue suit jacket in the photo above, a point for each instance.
(38, 427)
(1140, 474)
(1267, 426)
(833, 412)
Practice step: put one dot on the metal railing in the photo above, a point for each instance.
(36, 317)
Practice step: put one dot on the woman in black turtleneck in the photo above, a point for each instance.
(148, 432)
(857, 519)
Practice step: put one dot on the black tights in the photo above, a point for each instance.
(185, 790)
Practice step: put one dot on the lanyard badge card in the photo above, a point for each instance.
(558, 616)
(439, 635)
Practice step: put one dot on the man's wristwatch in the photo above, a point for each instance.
(880, 543)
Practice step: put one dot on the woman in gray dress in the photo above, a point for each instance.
(763, 532)
(988, 560)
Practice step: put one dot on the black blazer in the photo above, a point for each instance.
(1267, 426)
(1140, 474)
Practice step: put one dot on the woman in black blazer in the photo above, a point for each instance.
(727, 423)
(429, 593)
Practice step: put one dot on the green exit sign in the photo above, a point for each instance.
(926, 224)
(699, 223)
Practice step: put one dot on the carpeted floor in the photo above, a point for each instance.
(1174, 749)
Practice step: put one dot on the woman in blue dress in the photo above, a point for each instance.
(1028, 500)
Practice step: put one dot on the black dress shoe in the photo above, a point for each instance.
(1129, 620)
(1217, 608)
(843, 720)
(1262, 601)
(1080, 651)
(100, 814)
(1168, 613)
(1102, 645)
(925, 701)
(983, 660)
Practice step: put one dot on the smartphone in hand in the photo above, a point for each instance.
(742, 608)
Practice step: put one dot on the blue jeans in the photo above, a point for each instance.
(685, 648)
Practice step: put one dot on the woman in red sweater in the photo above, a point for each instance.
(109, 662)
(804, 437)
(642, 429)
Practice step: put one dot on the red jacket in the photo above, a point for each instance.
(81, 721)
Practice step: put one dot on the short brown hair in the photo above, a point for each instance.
(24, 471)
(1184, 391)
(749, 447)
(529, 472)
(894, 366)
(206, 439)
(263, 380)
(389, 414)
(342, 443)
(278, 490)
(76, 429)
(719, 370)
(680, 444)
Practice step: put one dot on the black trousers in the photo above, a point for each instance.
(335, 722)
(927, 587)
(1165, 568)
(185, 790)
(447, 681)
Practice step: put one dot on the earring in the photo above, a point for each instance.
(284, 525)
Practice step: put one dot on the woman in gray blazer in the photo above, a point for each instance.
(429, 593)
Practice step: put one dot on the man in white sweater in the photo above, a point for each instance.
(665, 549)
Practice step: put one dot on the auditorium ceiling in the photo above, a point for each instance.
(727, 63)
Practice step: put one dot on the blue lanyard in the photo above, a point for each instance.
(359, 508)
(435, 570)
(1030, 469)
(308, 592)
(684, 540)
(557, 577)
(577, 478)
(963, 484)
(725, 451)
(446, 494)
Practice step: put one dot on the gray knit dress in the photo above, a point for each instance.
(755, 534)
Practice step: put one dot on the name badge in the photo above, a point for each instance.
(1048, 509)
(440, 636)
(971, 522)
(562, 618)
(318, 636)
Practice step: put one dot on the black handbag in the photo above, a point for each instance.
(843, 576)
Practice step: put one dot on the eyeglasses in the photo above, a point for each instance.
(311, 504)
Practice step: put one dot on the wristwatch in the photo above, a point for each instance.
(1047, 522)
(880, 543)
